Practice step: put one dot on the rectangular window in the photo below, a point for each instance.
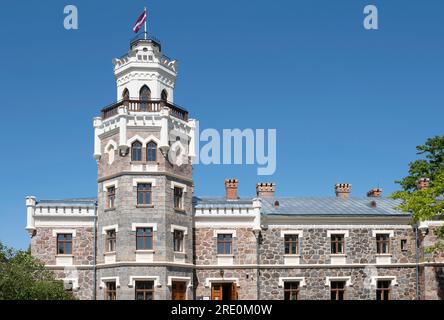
(178, 193)
(291, 242)
(404, 245)
(64, 243)
(291, 290)
(178, 240)
(383, 290)
(111, 197)
(144, 290)
(111, 240)
(382, 243)
(144, 193)
(144, 238)
(337, 290)
(337, 243)
(224, 243)
(110, 290)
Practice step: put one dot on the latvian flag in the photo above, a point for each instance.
(140, 21)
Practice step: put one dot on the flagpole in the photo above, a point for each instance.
(145, 23)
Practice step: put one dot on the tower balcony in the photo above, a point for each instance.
(152, 105)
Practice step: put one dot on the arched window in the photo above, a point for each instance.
(151, 151)
(144, 96)
(136, 151)
(125, 97)
(164, 95)
(125, 94)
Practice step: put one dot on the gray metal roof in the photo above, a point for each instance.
(76, 202)
(332, 206)
(221, 202)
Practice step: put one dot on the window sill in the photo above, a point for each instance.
(144, 206)
(225, 255)
(179, 253)
(144, 251)
(178, 210)
(137, 162)
(292, 255)
(383, 254)
(110, 209)
(338, 254)
(64, 255)
(109, 253)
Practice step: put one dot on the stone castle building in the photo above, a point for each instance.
(145, 236)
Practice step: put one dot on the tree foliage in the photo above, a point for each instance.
(426, 204)
(23, 277)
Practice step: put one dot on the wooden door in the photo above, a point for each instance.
(216, 292)
(179, 290)
(233, 291)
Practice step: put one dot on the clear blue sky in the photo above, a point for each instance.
(349, 105)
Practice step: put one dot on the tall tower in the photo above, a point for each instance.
(144, 149)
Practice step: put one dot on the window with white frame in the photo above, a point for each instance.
(110, 197)
(111, 240)
(337, 243)
(291, 244)
(178, 198)
(382, 243)
(178, 236)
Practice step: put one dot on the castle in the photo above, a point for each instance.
(145, 236)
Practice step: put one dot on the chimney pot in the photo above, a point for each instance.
(265, 189)
(343, 190)
(231, 189)
(423, 183)
(375, 193)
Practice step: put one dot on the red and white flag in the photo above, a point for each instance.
(140, 21)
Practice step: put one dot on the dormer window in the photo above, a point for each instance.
(136, 151)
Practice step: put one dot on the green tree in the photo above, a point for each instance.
(23, 277)
(426, 204)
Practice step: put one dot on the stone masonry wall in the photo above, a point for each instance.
(244, 246)
(316, 288)
(314, 246)
(44, 246)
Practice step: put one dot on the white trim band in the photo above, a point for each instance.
(112, 183)
(179, 185)
(301, 281)
(108, 279)
(144, 180)
(389, 232)
(180, 228)
(55, 232)
(133, 279)
(299, 233)
(111, 227)
(224, 231)
(136, 225)
(343, 232)
(174, 278)
(208, 281)
(347, 280)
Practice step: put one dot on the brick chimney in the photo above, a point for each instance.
(265, 189)
(231, 189)
(375, 193)
(423, 183)
(343, 190)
